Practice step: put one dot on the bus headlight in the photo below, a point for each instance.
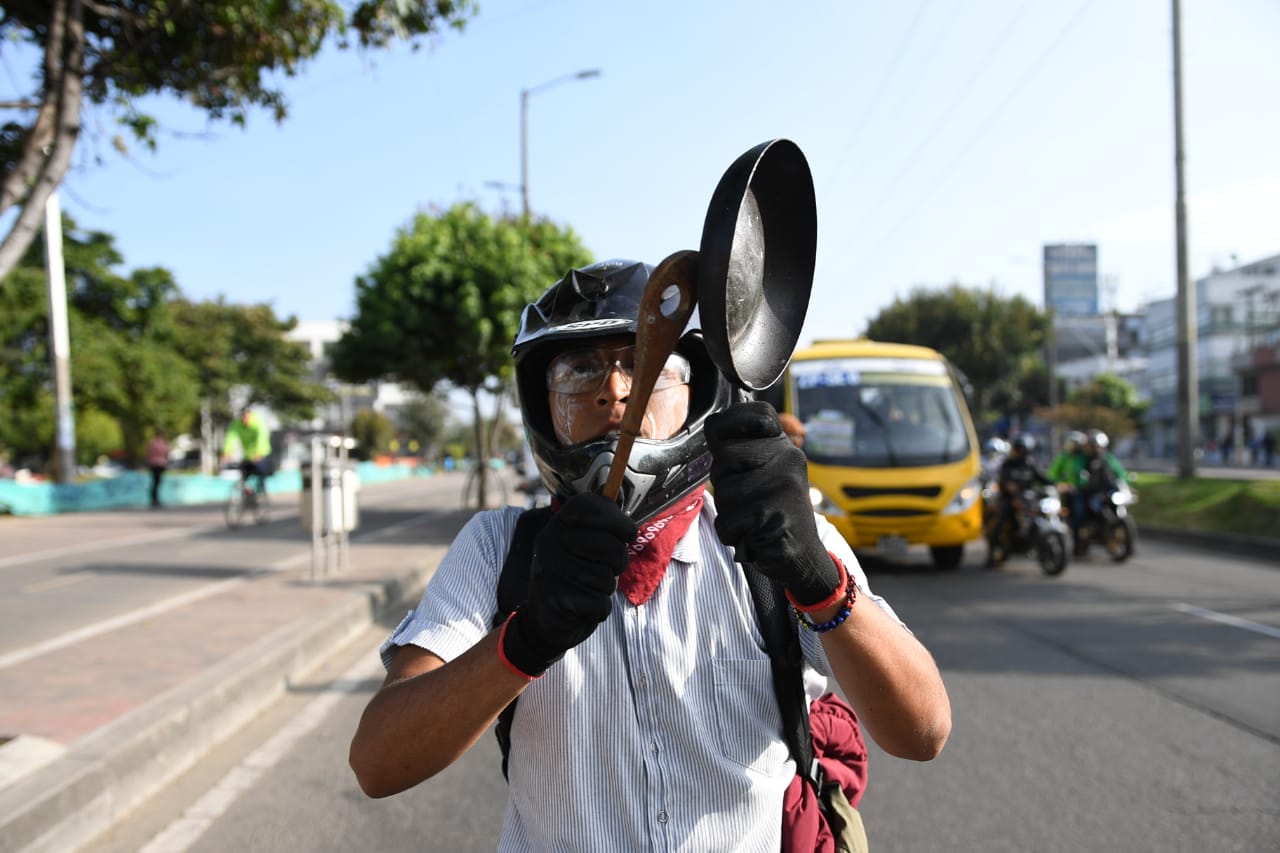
(964, 498)
(822, 504)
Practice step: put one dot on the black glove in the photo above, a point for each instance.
(577, 558)
(761, 483)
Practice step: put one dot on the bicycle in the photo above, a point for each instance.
(495, 486)
(246, 502)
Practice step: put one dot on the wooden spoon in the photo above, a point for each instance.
(657, 334)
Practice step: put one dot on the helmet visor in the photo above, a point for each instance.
(584, 370)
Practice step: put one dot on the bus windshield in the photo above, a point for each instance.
(878, 412)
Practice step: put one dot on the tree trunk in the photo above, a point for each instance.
(47, 149)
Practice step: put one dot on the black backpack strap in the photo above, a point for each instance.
(780, 630)
(513, 586)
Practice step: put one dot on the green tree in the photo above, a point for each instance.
(443, 304)
(140, 353)
(225, 57)
(373, 432)
(26, 377)
(425, 421)
(1106, 402)
(997, 342)
(122, 359)
(245, 348)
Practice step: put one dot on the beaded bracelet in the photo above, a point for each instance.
(850, 596)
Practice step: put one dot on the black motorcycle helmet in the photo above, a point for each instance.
(1024, 444)
(595, 301)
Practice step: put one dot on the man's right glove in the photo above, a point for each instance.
(577, 559)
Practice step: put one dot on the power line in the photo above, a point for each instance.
(936, 131)
(949, 168)
(879, 89)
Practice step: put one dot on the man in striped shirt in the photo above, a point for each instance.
(647, 717)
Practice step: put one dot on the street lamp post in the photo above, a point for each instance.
(524, 125)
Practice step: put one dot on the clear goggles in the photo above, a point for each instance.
(582, 371)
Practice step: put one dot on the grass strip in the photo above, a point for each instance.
(1248, 507)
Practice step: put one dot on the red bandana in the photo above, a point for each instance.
(654, 545)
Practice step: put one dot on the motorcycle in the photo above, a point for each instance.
(1107, 523)
(1036, 528)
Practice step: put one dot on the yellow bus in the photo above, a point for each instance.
(893, 454)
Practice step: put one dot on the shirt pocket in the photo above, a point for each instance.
(748, 721)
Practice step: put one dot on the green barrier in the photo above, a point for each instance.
(132, 489)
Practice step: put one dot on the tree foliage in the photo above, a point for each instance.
(1106, 402)
(225, 57)
(373, 432)
(997, 342)
(425, 421)
(142, 357)
(443, 304)
(246, 348)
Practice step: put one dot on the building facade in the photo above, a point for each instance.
(1235, 313)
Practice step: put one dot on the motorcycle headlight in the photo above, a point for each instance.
(1050, 505)
(964, 497)
(822, 504)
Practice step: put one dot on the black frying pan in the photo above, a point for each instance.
(755, 265)
(750, 280)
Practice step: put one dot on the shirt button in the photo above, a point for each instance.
(653, 747)
(662, 816)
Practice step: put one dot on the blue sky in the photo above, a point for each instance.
(948, 141)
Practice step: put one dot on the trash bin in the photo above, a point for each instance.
(338, 505)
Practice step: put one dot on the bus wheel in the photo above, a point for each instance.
(947, 556)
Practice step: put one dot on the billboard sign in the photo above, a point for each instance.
(1071, 279)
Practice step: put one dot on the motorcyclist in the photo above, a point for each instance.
(994, 452)
(1018, 473)
(1065, 467)
(1100, 475)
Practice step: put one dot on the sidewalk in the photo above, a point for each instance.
(109, 720)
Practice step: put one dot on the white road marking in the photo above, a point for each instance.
(54, 583)
(48, 554)
(183, 832)
(1225, 619)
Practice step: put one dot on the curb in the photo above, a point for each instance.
(1259, 548)
(70, 801)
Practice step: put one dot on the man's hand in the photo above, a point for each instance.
(761, 483)
(577, 558)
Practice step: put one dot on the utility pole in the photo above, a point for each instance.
(59, 344)
(586, 74)
(1188, 402)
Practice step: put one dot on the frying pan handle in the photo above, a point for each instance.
(656, 337)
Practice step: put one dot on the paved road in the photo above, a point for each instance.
(1132, 707)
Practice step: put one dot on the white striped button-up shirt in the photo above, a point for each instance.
(661, 731)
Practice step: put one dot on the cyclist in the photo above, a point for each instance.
(250, 436)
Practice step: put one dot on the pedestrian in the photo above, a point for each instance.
(647, 718)
(1268, 447)
(158, 462)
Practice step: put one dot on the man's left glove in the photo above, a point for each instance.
(761, 483)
